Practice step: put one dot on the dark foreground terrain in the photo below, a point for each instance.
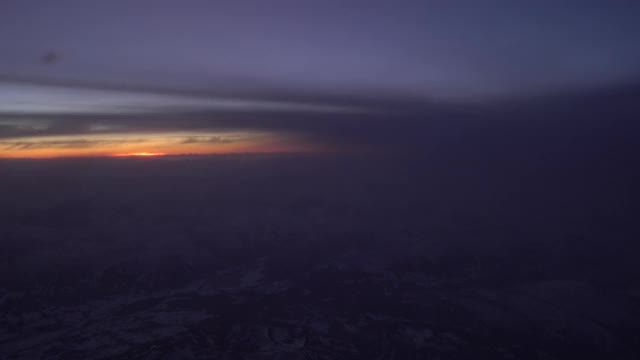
(314, 257)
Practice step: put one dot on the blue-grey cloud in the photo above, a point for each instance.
(73, 143)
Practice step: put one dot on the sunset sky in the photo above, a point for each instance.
(98, 78)
(319, 179)
(54, 121)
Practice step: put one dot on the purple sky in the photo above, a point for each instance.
(309, 57)
(426, 48)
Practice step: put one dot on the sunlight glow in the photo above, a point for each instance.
(143, 144)
(141, 154)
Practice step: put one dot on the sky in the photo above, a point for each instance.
(102, 78)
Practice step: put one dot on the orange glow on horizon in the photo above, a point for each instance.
(153, 145)
(142, 154)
